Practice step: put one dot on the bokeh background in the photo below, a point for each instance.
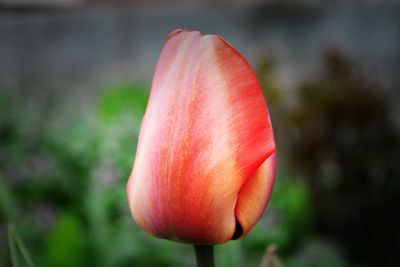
(74, 83)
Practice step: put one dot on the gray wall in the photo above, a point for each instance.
(86, 50)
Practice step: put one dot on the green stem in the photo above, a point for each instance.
(204, 255)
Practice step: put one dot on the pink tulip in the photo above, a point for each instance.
(205, 162)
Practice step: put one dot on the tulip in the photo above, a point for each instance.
(205, 162)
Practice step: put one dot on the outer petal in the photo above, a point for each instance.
(254, 195)
(205, 133)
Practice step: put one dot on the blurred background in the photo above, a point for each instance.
(74, 83)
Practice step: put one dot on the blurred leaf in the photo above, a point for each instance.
(98, 218)
(66, 243)
(131, 99)
(229, 254)
(8, 207)
(292, 200)
(12, 247)
(15, 242)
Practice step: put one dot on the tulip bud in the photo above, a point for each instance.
(205, 162)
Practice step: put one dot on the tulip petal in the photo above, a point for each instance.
(205, 134)
(254, 195)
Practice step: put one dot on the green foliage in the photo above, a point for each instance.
(8, 205)
(121, 100)
(63, 176)
(66, 244)
(230, 254)
(118, 115)
(17, 245)
(292, 201)
(287, 222)
(75, 164)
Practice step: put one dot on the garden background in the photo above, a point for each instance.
(74, 84)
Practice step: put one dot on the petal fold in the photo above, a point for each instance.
(254, 195)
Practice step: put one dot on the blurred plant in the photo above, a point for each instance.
(62, 180)
(61, 176)
(274, 95)
(343, 138)
(270, 259)
(67, 237)
(16, 244)
(266, 76)
(70, 202)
